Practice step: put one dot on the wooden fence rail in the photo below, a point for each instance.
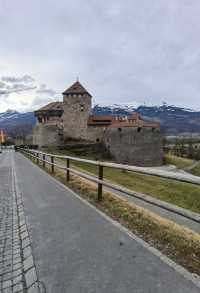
(43, 157)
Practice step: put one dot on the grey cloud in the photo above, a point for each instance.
(3, 92)
(12, 84)
(12, 79)
(122, 50)
(40, 101)
(44, 90)
(2, 84)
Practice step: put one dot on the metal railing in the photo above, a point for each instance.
(49, 159)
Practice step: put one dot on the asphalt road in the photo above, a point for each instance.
(77, 250)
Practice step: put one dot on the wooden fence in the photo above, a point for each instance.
(49, 159)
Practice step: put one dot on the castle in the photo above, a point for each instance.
(130, 140)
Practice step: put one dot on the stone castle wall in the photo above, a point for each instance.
(135, 146)
(95, 133)
(76, 112)
(46, 135)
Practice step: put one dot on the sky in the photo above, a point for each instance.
(133, 51)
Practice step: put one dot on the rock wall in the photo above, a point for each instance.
(46, 135)
(135, 146)
(76, 112)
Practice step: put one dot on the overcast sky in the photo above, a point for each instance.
(131, 51)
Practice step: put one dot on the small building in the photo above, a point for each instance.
(49, 128)
(130, 140)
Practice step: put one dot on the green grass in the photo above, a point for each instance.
(196, 170)
(181, 194)
(180, 163)
(184, 195)
(183, 163)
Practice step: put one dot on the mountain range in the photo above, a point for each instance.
(174, 120)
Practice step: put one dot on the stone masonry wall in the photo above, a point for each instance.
(76, 112)
(46, 135)
(135, 146)
(95, 133)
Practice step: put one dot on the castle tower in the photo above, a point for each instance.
(77, 108)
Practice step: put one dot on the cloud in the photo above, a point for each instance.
(13, 79)
(44, 90)
(3, 93)
(11, 84)
(23, 93)
(143, 50)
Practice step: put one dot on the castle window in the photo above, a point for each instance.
(153, 129)
(139, 129)
(82, 107)
(119, 129)
(97, 140)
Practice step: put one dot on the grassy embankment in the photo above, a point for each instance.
(180, 163)
(181, 194)
(183, 163)
(178, 243)
(196, 170)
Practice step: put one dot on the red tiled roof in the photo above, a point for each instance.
(112, 121)
(52, 107)
(76, 88)
(135, 120)
(137, 124)
(95, 120)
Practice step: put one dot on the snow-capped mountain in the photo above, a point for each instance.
(115, 109)
(174, 120)
(11, 121)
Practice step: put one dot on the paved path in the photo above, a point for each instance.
(76, 249)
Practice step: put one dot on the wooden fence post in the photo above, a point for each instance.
(100, 186)
(38, 158)
(68, 175)
(43, 161)
(52, 164)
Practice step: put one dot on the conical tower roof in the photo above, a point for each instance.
(76, 88)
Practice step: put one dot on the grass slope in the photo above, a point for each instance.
(180, 163)
(196, 170)
(184, 195)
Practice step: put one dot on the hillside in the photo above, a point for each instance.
(17, 123)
